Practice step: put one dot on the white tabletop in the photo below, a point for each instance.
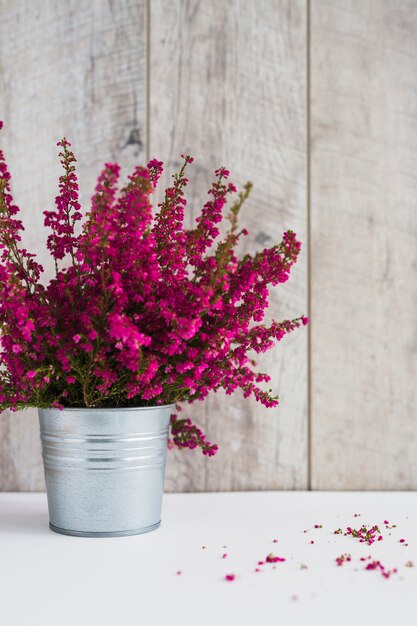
(48, 579)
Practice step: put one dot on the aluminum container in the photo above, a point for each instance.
(104, 469)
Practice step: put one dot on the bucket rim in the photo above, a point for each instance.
(107, 409)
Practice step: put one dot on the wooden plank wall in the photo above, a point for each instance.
(315, 103)
(66, 68)
(364, 244)
(228, 86)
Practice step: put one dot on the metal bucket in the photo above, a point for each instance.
(104, 469)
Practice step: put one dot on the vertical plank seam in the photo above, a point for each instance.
(148, 80)
(308, 203)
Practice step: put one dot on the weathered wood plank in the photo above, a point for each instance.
(364, 244)
(67, 68)
(228, 85)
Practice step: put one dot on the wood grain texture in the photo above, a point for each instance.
(364, 244)
(75, 68)
(228, 85)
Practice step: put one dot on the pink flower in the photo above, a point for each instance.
(142, 309)
(187, 435)
(274, 559)
(342, 558)
(377, 565)
(364, 534)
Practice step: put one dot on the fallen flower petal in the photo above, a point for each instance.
(342, 558)
(274, 559)
(377, 565)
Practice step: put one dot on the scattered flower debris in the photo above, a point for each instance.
(377, 565)
(342, 558)
(271, 558)
(364, 534)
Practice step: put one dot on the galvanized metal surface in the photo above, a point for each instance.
(104, 469)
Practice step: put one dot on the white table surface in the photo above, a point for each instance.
(48, 579)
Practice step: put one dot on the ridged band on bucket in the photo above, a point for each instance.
(104, 468)
(104, 452)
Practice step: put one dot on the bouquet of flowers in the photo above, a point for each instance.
(141, 311)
